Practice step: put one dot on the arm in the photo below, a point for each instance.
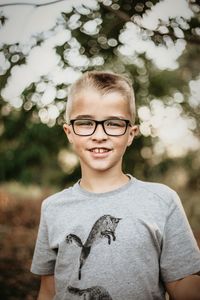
(187, 288)
(47, 288)
(180, 255)
(44, 259)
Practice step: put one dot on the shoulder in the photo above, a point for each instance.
(57, 199)
(158, 191)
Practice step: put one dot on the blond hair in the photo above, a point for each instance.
(104, 82)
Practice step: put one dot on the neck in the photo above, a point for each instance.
(101, 182)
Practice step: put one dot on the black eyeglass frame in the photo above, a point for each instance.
(128, 123)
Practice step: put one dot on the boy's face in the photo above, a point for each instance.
(99, 151)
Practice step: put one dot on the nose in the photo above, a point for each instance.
(99, 133)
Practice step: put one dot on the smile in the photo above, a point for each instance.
(99, 150)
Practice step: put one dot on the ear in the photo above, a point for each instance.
(134, 131)
(68, 131)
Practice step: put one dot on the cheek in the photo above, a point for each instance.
(122, 145)
(78, 143)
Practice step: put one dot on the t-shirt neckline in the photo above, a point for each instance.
(118, 190)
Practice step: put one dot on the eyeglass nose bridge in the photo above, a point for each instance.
(99, 123)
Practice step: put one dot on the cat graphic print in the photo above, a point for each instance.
(93, 293)
(104, 227)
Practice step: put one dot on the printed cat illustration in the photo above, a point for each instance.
(93, 293)
(104, 227)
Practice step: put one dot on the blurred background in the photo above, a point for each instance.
(44, 47)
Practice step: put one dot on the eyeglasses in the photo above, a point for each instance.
(112, 127)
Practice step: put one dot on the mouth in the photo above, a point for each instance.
(99, 150)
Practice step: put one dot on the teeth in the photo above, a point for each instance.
(99, 150)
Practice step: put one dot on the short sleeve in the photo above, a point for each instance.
(180, 255)
(44, 257)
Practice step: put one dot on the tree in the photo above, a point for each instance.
(155, 42)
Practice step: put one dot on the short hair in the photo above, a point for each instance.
(104, 82)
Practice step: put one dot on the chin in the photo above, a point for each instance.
(101, 168)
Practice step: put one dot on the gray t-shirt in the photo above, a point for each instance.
(119, 245)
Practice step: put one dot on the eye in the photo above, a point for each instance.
(82, 123)
(115, 123)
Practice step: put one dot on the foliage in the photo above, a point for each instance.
(31, 140)
(19, 223)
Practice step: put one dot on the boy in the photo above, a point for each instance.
(111, 236)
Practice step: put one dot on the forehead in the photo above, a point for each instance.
(92, 102)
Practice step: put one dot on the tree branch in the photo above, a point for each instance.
(120, 14)
(31, 4)
(126, 18)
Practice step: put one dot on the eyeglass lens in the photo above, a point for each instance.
(113, 127)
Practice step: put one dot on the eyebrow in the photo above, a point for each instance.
(92, 117)
(84, 117)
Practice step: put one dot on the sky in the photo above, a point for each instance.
(25, 22)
